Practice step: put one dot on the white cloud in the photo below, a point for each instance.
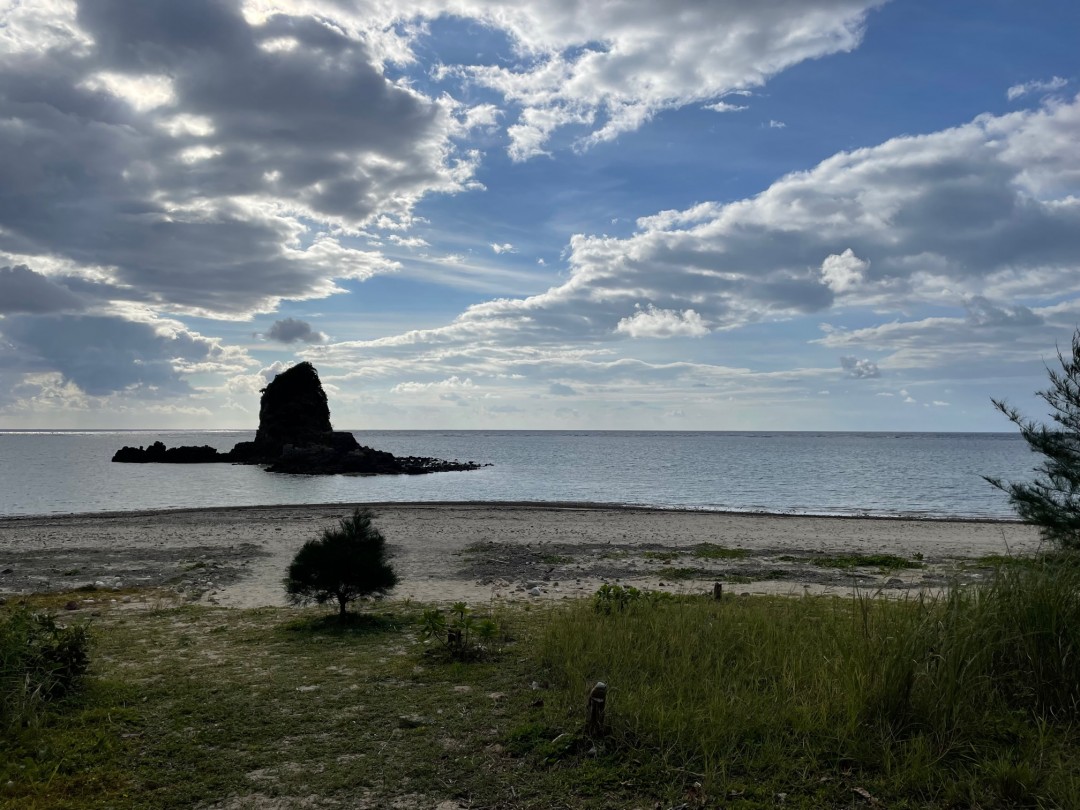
(450, 384)
(611, 67)
(506, 247)
(774, 124)
(1035, 86)
(843, 271)
(859, 369)
(725, 106)
(966, 216)
(662, 323)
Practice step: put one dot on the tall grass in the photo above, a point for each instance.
(972, 697)
(40, 660)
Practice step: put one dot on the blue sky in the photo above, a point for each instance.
(787, 215)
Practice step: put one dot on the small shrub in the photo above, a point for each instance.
(40, 661)
(345, 564)
(610, 599)
(463, 636)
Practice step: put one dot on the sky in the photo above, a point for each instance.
(539, 214)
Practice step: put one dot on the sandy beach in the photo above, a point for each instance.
(477, 552)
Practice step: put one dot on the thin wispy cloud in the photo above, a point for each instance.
(1035, 86)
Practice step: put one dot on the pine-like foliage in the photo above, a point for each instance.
(346, 563)
(1052, 500)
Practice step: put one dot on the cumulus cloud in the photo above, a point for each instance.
(610, 67)
(105, 355)
(292, 330)
(983, 209)
(505, 247)
(859, 369)
(843, 271)
(1035, 86)
(128, 150)
(23, 290)
(662, 323)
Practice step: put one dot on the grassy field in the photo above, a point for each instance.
(970, 700)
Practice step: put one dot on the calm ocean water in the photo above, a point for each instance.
(919, 474)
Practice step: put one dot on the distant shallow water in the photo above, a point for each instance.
(933, 475)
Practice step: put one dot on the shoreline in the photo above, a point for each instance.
(554, 505)
(483, 551)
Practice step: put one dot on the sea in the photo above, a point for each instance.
(925, 475)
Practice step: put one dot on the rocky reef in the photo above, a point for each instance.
(295, 436)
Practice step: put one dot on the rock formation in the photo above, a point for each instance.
(295, 436)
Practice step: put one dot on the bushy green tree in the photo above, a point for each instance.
(346, 563)
(1052, 500)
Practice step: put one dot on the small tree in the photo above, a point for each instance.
(1052, 500)
(346, 563)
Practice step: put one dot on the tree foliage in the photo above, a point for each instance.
(1052, 500)
(346, 563)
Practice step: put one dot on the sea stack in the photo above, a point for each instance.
(294, 417)
(295, 436)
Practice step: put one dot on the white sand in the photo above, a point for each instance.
(555, 550)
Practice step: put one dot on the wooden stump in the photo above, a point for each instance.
(718, 591)
(594, 710)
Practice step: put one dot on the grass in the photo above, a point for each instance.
(884, 563)
(968, 700)
(556, 559)
(673, 574)
(711, 551)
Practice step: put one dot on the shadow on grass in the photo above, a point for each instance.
(352, 624)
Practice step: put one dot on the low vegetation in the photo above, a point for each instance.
(883, 563)
(345, 564)
(41, 661)
(966, 700)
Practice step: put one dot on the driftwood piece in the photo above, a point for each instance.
(594, 710)
(718, 590)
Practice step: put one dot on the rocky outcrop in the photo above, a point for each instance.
(158, 453)
(295, 436)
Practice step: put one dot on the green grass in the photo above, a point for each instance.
(673, 574)
(711, 551)
(1007, 561)
(883, 562)
(556, 559)
(968, 700)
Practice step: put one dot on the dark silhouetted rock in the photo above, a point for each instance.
(293, 410)
(295, 436)
(158, 453)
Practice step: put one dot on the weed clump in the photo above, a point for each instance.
(462, 635)
(40, 661)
